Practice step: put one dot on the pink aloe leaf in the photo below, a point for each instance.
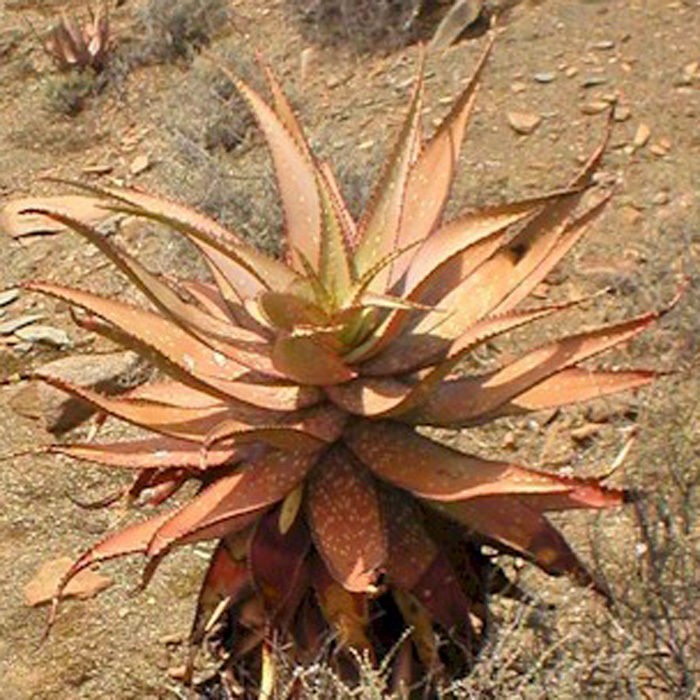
(380, 224)
(411, 551)
(575, 385)
(439, 473)
(428, 183)
(257, 485)
(305, 358)
(468, 400)
(242, 346)
(346, 521)
(227, 579)
(508, 521)
(279, 565)
(152, 453)
(296, 178)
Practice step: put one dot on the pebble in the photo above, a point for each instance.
(139, 165)
(523, 122)
(641, 136)
(8, 296)
(178, 673)
(660, 199)
(595, 107)
(593, 81)
(545, 77)
(14, 324)
(48, 335)
(621, 113)
(585, 432)
(518, 86)
(571, 72)
(604, 45)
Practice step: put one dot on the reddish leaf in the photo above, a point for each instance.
(183, 423)
(296, 177)
(428, 183)
(380, 223)
(152, 453)
(256, 485)
(307, 360)
(465, 400)
(131, 540)
(240, 345)
(278, 565)
(227, 579)
(20, 217)
(245, 268)
(508, 521)
(411, 551)
(439, 590)
(575, 385)
(346, 612)
(181, 353)
(367, 396)
(346, 520)
(439, 473)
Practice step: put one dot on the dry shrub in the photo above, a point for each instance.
(366, 24)
(176, 29)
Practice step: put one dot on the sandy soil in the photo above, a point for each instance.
(561, 60)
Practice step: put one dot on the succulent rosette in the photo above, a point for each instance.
(295, 391)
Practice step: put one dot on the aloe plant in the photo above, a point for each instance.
(294, 392)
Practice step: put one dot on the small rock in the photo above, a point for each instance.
(595, 107)
(172, 638)
(48, 335)
(42, 587)
(571, 72)
(140, 164)
(642, 135)
(585, 432)
(110, 374)
(98, 169)
(545, 77)
(306, 60)
(658, 150)
(8, 296)
(594, 80)
(660, 199)
(14, 324)
(518, 87)
(509, 441)
(604, 45)
(621, 113)
(178, 673)
(523, 122)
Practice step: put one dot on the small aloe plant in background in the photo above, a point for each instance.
(79, 45)
(295, 391)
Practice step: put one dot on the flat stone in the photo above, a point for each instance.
(45, 335)
(544, 77)
(641, 136)
(110, 374)
(8, 296)
(523, 122)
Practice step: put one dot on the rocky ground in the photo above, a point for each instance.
(162, 117)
